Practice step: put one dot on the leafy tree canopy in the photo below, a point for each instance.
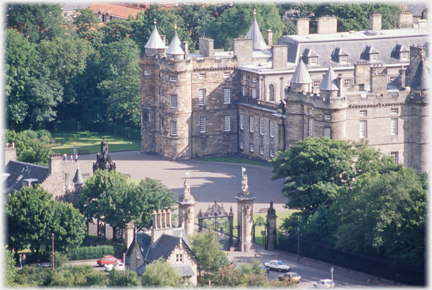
(208, 251)
(160, 274)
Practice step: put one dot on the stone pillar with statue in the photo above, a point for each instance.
(271, 227)
(245, 215)
(186, 204)
(103, 159)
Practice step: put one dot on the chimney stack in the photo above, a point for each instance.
(55, 164)
(327, 24)
(269, 37)
(375, 21)
(302, 26)
(405, 19)
(280, 57)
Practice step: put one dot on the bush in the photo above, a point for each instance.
(32, 134)
(42, 133)
(33, 276)
(60, 259)
(85, 253)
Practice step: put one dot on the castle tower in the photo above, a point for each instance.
(301, 80)
(78, 180)
(271, 227)
(417, 135)
(175, 48)
(186, 203)
(245, 215)
(155, 44)
(254, 33)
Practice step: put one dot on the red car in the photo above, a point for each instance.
(107, 260)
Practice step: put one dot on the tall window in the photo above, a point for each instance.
(241, 145)
(227, 123)
(243, 90)
(226, 75)
(271, 93)
(161, 123)
(272, 129)
(310, 127)
(173, 101)
(261, 126)
(173, 78)
(251, 124)
(327, 132)
(362, 129)
(203, 121)
(261, 150)
(241, 121)
(271, 152)
(251, 147)
(173, 128)
(395, 155)
(201, 97)
(394, 126)
(254, 95)
(227, 96)
(202, 75)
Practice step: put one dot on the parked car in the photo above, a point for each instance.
(324, 283)
(106, 260)
(119, 266)
(277, 265)
(43, 265)
(291, 277)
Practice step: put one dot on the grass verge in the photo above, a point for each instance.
(90, 141)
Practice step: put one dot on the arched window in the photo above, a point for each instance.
(271, 93)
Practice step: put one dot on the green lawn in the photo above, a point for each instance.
(87, 140)
(232, 159)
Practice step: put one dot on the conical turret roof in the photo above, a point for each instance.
(175, 46)
(255, 33)
(420, 80)
(329, 82)
(155, 41)
(78, 178)
(301, 74)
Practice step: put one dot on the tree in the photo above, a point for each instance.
(160, 274)
(32, 216)
(9, 268)
(385, 214)
(209, 251)
(86, 27)
(120, 279)
(78, 276)
(36, 21)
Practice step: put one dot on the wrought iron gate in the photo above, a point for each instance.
(260, 222)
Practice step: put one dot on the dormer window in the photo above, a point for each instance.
(400, 52)
(310, 57)
(339, 55)
(370, 54)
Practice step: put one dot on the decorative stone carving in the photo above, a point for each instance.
(103, 160)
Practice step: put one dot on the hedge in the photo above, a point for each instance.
(85, 253)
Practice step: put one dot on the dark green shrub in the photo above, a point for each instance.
(43, 132)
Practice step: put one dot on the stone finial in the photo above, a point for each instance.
(254, 12)
(155, 21)
(244, 183)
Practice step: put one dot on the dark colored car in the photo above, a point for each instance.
(107, 260)
(43, 265)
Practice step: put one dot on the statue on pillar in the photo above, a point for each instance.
(103, 159)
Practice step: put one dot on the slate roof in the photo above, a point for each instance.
(163, 248)
(18, 171)
(175, 46)
(353, 44)
(255, 33)
(155, 41)
(329, 82)
(78, 178)
(301, 74)
(421, 78)
(184, 270)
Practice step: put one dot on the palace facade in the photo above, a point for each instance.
(260, 98)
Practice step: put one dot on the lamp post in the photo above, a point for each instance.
(331, 271)
(298, 243)
(52, 252)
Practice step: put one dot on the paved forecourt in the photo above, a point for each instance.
(210, 181)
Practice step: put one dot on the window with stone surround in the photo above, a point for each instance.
(226, 74)
(251, 147)
(363, 129)
(363, 113)
(241, 145)
(241, 121)
(394, 126)
(254, 93)
(347, 82)
(310, 127)
(261, 126)
(201, 75)
(327, 132)
(272, 129)
(173, 128)
(227, 123)
(271, 152)
(316, 84)
(254, 80)
(201, 97)
(394, 111)
(161, 125)
(243, 90)
(227, 96)
(395, 155)
(173, 101)
(203, 121)
(244, 77)
(173, 78)
(251, 124)
(327, 117)
(179, 258)
(261, 150)
(160, 90)
(271, 92)
(146, 72)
